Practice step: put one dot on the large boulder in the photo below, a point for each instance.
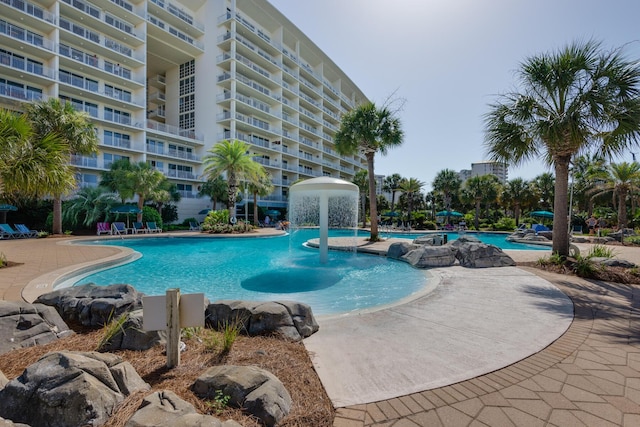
(288, 319)
(475, 254)
(165, 409)
(24, 325)
(253, 389)
(398, 249)
(131, 336)
(431, 240)
(69, 389)
(426, 256)
(93, 305)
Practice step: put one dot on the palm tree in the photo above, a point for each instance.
(370, 130)
(164, 193)
(622, 179)
(215, 189)
(587, 171)
(362, 181)
(447, 183)
(573, 100)
(75, 131)
(543, 186)
(410, 187)
(233, 159)
(145, 180)
(262, 187)
(31, 164)
(478, 189)
(517, 192)
(391, 185)
(90, 203)
(116, 179)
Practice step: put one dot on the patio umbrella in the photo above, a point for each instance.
(391, 214)
(541, 214)
(4, 208)
(125, 209)
(204, 211)
(449, 213)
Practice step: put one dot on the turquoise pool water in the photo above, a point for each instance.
(263, 269)
(497, 239)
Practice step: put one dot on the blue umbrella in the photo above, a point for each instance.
(125, 209)
(391, 214)
(541, 214)
(449, 213)
(204, 211)
(4, 208)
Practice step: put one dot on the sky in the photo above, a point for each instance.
(445, 61)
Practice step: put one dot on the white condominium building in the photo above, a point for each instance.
(164, 81)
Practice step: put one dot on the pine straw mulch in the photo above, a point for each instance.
(288, 361)
(600, 272)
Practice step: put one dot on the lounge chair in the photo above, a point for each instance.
(119, 228)
(138, 227)
(12, 234)
(25, 230)
(153, 228)
(104, 228)
(194, 226)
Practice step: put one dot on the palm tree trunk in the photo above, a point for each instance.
(57, 215)
(476, 223)
(255, 209)
(140, 206)
(622, 210)
(373, 208)
(560, 207)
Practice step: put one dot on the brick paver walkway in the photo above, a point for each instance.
(588, 377)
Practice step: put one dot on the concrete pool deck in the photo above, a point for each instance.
(590, 375)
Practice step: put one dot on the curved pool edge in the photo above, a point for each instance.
(49, 281)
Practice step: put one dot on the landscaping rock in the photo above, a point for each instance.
(289, 319)
(165, 409)
(9, 423)
(93, 305)
(431, 256)
(399, 249)
(3, 380)
(475, 254)
(24, 325)
(253, 389)
(431, 240)
(132, 336)
(69, 389)
(613, 262)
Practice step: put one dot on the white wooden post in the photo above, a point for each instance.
(173, 327)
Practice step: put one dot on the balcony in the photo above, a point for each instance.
(173, 130)
(176, 15)
(103, 21)
(31, 14)
(22, 64)
(23, 35)
(21, 94)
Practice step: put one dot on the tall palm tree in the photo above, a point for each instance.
(447, 183)
(623, 179)
(89, 205)
(391, 185)
(145, 180)
(215, 189)
(262, 187)
(75, 131)
(410, 187)
(233, 159)
(116, 179)
(587, 171)
(572, 100)
(361, 179)
(165, 192)
(517, 192)
(370, 130)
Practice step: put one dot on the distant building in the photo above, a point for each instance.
(485, 168)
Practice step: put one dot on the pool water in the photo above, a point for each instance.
(496, 239)
(263, 269)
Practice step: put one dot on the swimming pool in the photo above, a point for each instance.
(263, 269)
(496, 239)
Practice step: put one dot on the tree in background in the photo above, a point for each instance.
(362, 181)
(622, 180)
(478, 189)
(215, 189)
(447, 184)
(543, 186)
(410, 188)
(78, 136)
(262, 187)
(370, 130)
(391, 185)
(570, 101)
(517, 193)
(232, 158)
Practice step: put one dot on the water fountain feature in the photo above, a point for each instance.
(323, 202)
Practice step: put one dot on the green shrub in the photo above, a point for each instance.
(3, 259)
(505, 224)
(110, 329)
(632, 240)
(219, 402)
(429, 225)
(600, 251)
(584, 267)
(187, 221)
(149, 214)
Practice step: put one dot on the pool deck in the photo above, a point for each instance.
(590, 375)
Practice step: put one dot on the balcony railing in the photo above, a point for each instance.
(30, 9)
(23, 64)
(22, 34)
(174, 130)
(21, 94)
(175, 10)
